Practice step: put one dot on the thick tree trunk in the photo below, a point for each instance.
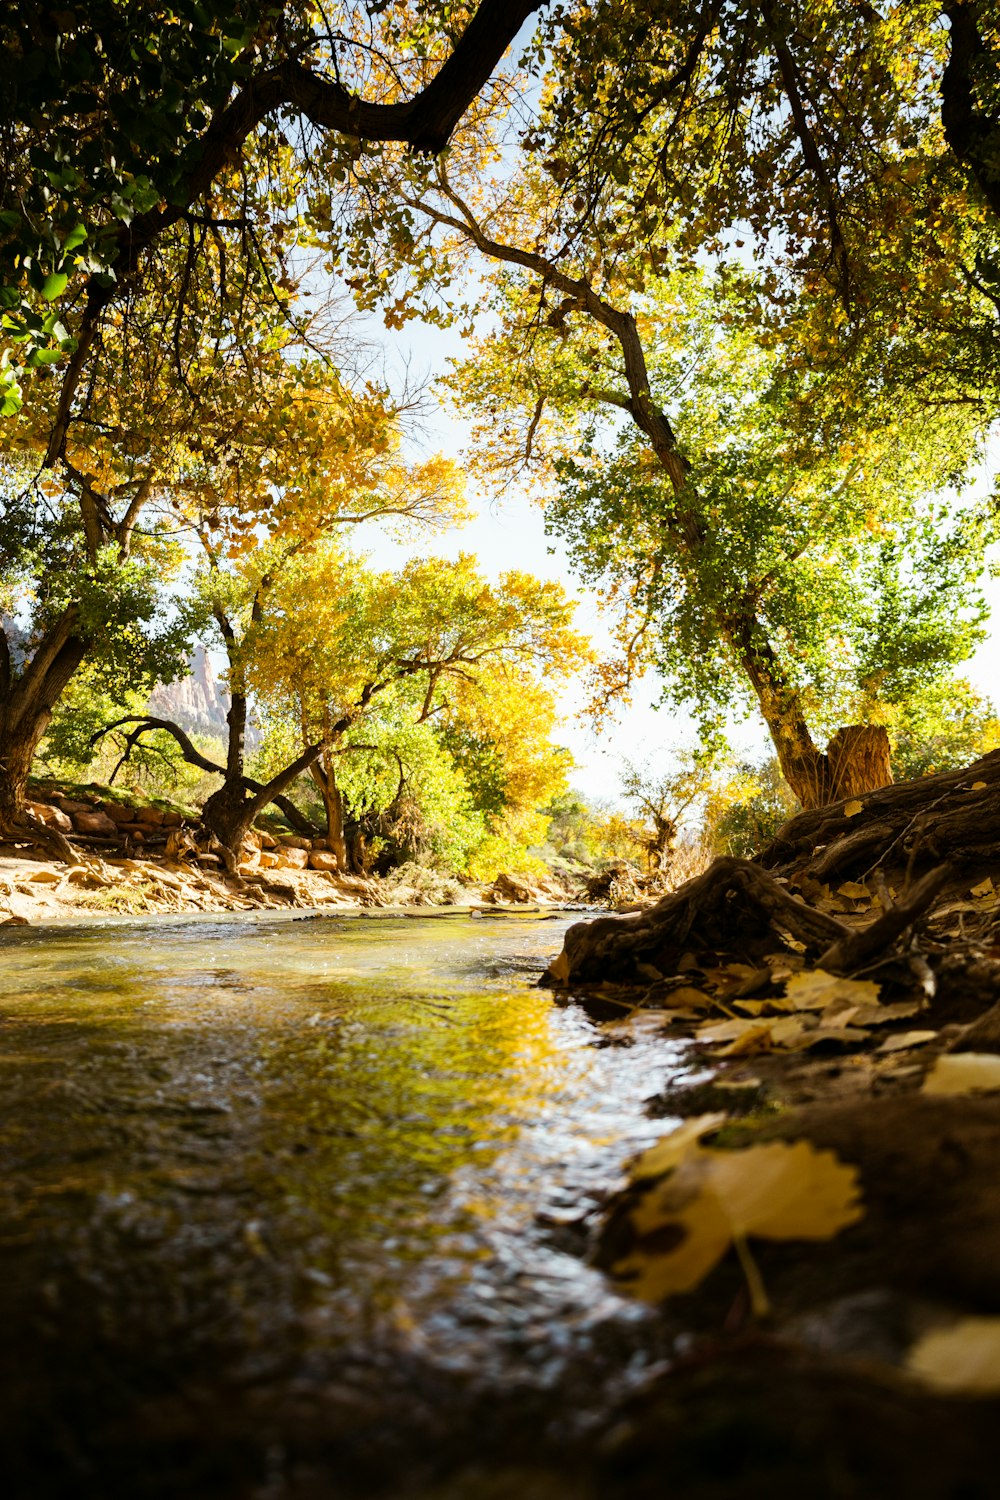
(857, 757)
(26, 704)
(333, 802)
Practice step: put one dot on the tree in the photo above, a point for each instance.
(663, 136)
(122, 126)
(798, 547)
(436, 633)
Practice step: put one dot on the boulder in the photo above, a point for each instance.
(96, 823)
(151, 816)
(292, 858)
(118, 812)
(172, 819)
(294, 841)
(52, 817)
(72, 805)
(511, 888)
(268, 859)
(321, 859)
(267, 840)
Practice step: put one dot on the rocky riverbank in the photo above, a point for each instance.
(139, 857)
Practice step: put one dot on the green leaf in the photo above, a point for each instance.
(54, 285)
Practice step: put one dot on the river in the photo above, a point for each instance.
(298, 1207)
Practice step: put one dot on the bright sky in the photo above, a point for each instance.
(512, 535)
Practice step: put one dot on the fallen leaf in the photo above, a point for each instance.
(725, 1031)
(964, 1073)
(851, 809)
(815, 989)
(855, 890)
(759, 1039)
(978, 786)
(686, 994)
(881, 1015)
(984, 888)
(905, 1039)
(669, 1152)
(963, 1359)
(778, 1191)
(847, 1036)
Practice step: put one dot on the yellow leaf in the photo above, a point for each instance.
(686, 994)
(855, 890)
(964, 1073)
(672, 1149)
(963, 1359)
(978, 786)
(984, 888)
(726, 1031)
(778, 1191)
(851, 809)
(907, 1039)
(758, 1039)
(816, 989)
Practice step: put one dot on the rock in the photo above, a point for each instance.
(172, 819)
(268, 859)
(321, 859)
(267, 840)
(52, 817)
(134, 831)
(118, 812)
(151, 816)
(293, 841)
(293, 858)
(71, 806)
(97, 824)
(15, 921)
(511, 888)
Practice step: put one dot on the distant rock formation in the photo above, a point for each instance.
(197, 702)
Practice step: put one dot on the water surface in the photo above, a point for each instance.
(274, 1189)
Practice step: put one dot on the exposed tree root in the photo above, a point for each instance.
(954, 816)
(26, 829)
(744, 910)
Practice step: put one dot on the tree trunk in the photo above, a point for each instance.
(228, 812)
(857, 757)
(333, 802)
(26, 704)
(859, 761)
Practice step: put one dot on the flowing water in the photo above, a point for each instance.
(298, 1206)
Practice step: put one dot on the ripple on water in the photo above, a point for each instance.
(252, 1151)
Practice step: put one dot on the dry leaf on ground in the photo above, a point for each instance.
(905, 1039)
(964, 1073)
(778, 1191)
(669, 1152)
(815, 989)
(963, 1359)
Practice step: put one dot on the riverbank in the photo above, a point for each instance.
(35, 890)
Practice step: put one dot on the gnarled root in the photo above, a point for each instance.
(953, 817)
(734, 907)
(24, 828)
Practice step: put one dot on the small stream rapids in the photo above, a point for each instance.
(299, 1206)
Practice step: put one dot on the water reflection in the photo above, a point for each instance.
(254, 1151)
